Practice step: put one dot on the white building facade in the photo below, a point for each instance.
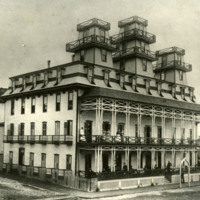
(132, 112)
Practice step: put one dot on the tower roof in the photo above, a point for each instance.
(131, 20)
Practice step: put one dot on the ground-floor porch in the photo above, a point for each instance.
(100, 159)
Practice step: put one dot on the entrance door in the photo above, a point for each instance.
(88, 162)
(105, 162)
(159, 159)
(88, 130)
(148, 160)
(21, 156)
(118, 161)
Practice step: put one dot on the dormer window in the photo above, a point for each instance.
(133, 81)
(23, 83)
(147, 86)
(50, 74)
(107, 77)
(59, 76)
(46, 80)
(159, 88)
(104, 55)
(191, 92)
(182, 92)
(90, 73)
(144, 65)
(180, 75)
(122, 81)
(34, 81)
(173, 91)
(38, 77)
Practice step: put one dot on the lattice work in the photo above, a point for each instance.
(146, 107)
(121, 106)
(107, 104)
(89, 104)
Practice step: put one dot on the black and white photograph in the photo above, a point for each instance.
(100, 100)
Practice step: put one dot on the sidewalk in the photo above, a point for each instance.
(71, 194)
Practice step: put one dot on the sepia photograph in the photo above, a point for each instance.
(100, 100)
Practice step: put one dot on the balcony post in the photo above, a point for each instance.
(163, 158)
(113, 127)
(127, 123)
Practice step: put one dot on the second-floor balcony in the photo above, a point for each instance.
(134, 52)
(90, 41)
(133, 34)
(175, 64)
(39, 139)
(128, 140)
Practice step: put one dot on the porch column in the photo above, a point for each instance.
(163, 158)
(127, 157)
(127, 124)
(193, 158)
(112, 160)
(98, 131)
(100, 159)
(113, 127)
(98, 163)
(163, 126)
(114, 155)
(96, 159)
(173, 157)
(153, 135)
(138, 158)
(139, 124)
(152, 158)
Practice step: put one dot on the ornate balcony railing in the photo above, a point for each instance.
(133, 173)
(128, 140)
(173, 64)
(88, 41)
(41, 139)
(136, 51)
(133, 33)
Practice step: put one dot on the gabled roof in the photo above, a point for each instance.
(139, 98)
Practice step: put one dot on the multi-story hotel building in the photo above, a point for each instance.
(107, 108)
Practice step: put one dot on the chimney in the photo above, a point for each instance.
(48, 63)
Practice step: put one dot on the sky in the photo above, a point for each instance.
(35, 31)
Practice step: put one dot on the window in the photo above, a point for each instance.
(32, 128)
(34, 81)
(122, 65)
(120, 129)
(142, 46)
(86, 33)
(126, 28)
(70, 100)
(183, 134)
(107, 77)
(159, 87)
(58, 98)
(38, 77)
(180, 75)
(163, 76)
(90, 75)
(174, 133)
(57, 128)
(56, 161)
(43, 160)
(68, 127)
(10, 157)
(31, 160)
(69, 162)
(102, 33)
(147, 84)
(46, 78)
(21, 129)
(164, 60)
(22, 105)
(174, 91)
(12, 129)
(12, 111)
(103, 55)
(33, 105)
(133, 82)
(106, 128)
(124, 47)
(44, 128)
(144, 65)
(191, 92)
(45, 103)
(59, 75)
(82, 55)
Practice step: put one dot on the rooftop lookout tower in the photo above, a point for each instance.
(171, 67)
(133, 42)
(93, 44)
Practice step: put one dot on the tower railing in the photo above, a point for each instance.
(134, 33)
(89, 40)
